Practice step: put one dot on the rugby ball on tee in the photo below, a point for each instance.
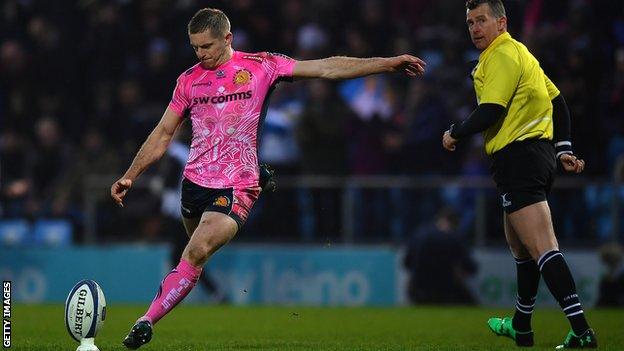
(85, 310)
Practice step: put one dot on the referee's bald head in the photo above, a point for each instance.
(496, 6)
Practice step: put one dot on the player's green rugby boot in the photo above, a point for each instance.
(141, 333)
(587, 340)
(503, 327)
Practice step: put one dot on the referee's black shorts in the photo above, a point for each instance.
(524, 172)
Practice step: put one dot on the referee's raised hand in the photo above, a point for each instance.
(571, 163)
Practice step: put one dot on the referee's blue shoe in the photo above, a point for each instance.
(504, 327)
(140, 334)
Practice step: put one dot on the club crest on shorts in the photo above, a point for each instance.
(242, 77)
(506, 202)
(222, 201)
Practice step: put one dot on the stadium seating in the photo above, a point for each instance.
(44, 232)
(52, 233)
(14, 232)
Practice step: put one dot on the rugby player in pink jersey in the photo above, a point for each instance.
(225, 96)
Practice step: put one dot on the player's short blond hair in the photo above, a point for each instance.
(209, 19)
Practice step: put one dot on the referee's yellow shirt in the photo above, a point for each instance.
(509, 75)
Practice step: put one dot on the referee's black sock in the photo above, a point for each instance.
(561, 285)
(528, 277)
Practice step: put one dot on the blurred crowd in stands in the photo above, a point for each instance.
(84, 81)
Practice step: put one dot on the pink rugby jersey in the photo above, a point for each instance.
(226, 106)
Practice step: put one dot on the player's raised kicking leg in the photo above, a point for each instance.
(211, 218)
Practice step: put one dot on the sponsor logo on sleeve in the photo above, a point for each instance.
(256, 58)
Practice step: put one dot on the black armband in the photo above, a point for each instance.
(561, 122)
(483, 117)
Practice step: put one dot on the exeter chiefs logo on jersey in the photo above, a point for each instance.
(242, 77)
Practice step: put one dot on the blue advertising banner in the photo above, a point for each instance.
(259, 274)
(311, 276)
(125, 273)
(247, 274)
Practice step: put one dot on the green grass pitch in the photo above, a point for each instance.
(198, 327)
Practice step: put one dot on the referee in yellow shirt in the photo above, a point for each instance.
(526, 125)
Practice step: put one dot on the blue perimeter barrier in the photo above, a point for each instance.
(265, 274)
(250, 275)
(125, 273)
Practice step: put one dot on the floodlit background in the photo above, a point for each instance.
(370, 210)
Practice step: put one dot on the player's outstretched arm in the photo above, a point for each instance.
(341, 67)
(152, 150)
